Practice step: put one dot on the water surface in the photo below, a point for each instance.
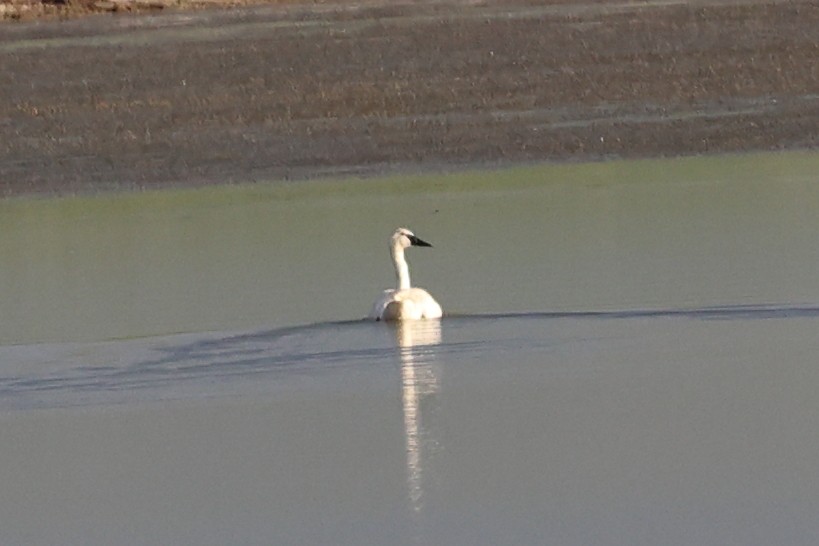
(629, 358)
(620, 235)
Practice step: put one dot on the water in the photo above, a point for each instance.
(629, 358)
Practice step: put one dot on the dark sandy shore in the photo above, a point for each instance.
(304, 90)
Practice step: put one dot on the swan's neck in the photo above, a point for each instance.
(401, 267)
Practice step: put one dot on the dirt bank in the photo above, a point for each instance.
(303, 90)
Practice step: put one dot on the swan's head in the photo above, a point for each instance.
(404, 238)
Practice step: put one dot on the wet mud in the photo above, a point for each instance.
(281, 91)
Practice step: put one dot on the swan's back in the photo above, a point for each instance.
(406, 304)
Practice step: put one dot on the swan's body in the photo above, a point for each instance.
(404, 302)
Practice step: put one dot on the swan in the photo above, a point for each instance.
(404, 302)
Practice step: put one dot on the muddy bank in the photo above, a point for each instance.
(295, 91)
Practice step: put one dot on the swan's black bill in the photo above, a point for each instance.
(417, 242)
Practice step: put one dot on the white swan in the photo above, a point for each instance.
(405, 302)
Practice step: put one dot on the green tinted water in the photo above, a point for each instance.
(670, 233)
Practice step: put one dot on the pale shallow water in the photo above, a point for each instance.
(629, 358)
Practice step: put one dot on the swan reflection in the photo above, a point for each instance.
(420, 383)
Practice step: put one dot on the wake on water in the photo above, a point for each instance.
(189, 366)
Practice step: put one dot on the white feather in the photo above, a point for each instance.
(404, 302)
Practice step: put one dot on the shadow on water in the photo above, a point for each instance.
(197, 365)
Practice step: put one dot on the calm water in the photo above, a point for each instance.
(630, 358)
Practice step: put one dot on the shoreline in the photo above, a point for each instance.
(297, 91)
